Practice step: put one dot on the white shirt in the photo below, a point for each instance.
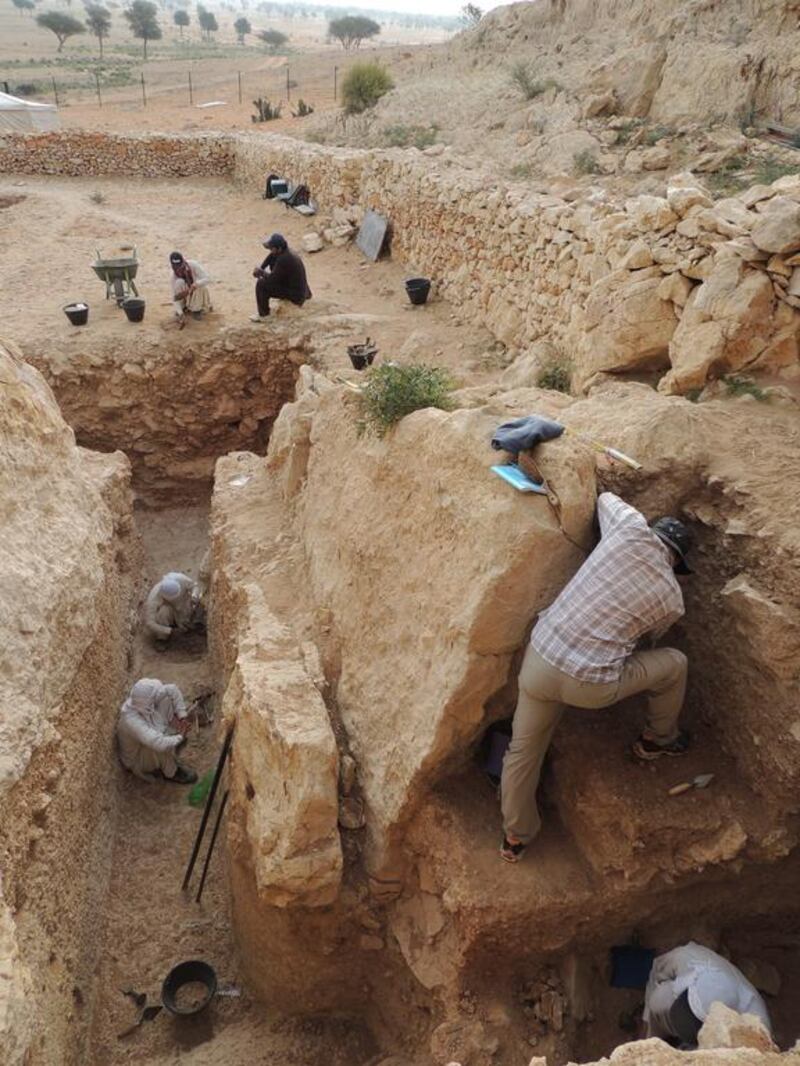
(145, 721)
(201, 278)
(707, 977)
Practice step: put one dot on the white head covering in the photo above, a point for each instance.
(170, 587)
(142, 698)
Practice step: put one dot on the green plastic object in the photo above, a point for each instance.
(199, 791)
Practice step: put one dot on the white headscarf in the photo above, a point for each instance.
(143, 700)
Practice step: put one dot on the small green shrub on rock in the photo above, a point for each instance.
(364, 85)
(391, 392)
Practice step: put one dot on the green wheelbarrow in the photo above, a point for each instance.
(118, 274)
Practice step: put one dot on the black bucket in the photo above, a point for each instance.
(134, 309)
(360, 356)
(418, 289)
(195, 971)
(78, 314)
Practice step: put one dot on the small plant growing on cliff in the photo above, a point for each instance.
(265, 111)
(555, 376)
(364, 85)
(739, 385)
(97, 198)
(585, 163)
(391, 392)
(522, 76)
(406, 136)
(770, 169)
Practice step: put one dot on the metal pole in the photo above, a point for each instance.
(223, 755)
(240, 86)
(191, 98)
(288, 89)
(97, 83)
(211, 844)
(144, 96)
(335, 74)
(5, 88)
(55, 91)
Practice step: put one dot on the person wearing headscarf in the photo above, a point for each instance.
(683, 985)
(151, 728)
(190, 291)
(173, 603)
(281, 275)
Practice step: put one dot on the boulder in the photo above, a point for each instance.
(599, 104)
(726, 324)
(778, 230)
(726, 1028)
(624, 325)
(407, 531)
(656, 158)
(650, 213)
(312, 242)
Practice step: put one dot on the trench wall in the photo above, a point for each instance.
(657, 283)
(174, 409)
(68, 557)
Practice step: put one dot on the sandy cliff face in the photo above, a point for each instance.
(65, 558)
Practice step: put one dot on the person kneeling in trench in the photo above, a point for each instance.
(281, 275)
(190, 292)
(581, 654)
(683, 985)
(174, 603)
(152, 728)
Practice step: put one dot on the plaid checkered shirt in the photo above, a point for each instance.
(626, 588)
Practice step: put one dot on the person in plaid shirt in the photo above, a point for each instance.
(582, 654)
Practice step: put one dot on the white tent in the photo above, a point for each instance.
(23, 116)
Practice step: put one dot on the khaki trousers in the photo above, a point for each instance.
(544, 692)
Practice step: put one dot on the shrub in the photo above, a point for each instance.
(626, 130)
(522, 170)
(303, 109)
(770, 169)
(585, 163)
(727, 181)
(405, 136)
(364, 85)
(523, 78)
(97, 198)
(656, 134)
(556, 376)
(738, 385)
(391, 392)
(265, 111)
(26, 88)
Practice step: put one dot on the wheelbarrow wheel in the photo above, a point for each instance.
(119, 290)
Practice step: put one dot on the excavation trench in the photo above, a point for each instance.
(360, 971)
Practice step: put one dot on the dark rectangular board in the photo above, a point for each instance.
(372, 235)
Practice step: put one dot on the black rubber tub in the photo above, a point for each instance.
(134, 309)
(418, 289)
(194, 972)
(78, 313)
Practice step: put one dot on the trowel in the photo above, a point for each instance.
(701, 781)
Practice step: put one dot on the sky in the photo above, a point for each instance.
(425, 7)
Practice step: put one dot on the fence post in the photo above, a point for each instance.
(6, 89)
(288, 87)
(335, 87)
(240, 86)
(144, 95)
(97, 83)
(55, 91)
(191, 98)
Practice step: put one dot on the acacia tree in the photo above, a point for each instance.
(242, 27)
(471, 14)
(208, 21)
(98, 19)
(63, 26)
(142, 18)
(23, 5)
(351, 30)
(181, 19)
(274, 39)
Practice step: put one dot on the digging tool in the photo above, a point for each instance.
(701, 781)
(223, 755)
(598, 446)
(212, 842)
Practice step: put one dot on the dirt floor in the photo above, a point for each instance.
(51, 236)
(150, 924)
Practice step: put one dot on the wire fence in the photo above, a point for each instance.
(280, 84)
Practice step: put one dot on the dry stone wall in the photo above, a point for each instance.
(674, 283)
(86, 153)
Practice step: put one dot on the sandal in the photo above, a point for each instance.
(511, 852)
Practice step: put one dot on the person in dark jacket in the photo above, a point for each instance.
(281, 275)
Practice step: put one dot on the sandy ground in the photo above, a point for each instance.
(50, 237)
(150, 924)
